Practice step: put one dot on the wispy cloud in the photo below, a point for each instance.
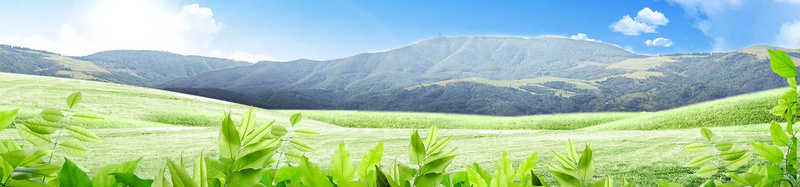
(789, 35)
(664, 42)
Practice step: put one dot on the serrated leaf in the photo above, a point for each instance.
(768, 152)
(295, 119)
(781, 63)
(416, 149)
(302, 145)
(74, 148)
(74, 99)
(52, 115)
(341, 165)
(278, 130)
(695, 147)
(706, 133)
(87, 117)
(7, 117)
(778, 136)
(306, 132)
(82, 134)
(41, 126)
(36, 139)
(699, 160)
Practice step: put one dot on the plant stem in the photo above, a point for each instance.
(55, 144)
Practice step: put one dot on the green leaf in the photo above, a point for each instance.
(792, 81)
(436, 166)
(7, 117)
(312, 175)
(52, 115)
(382, 180)
(245, 178)
(768, 152)
(131, 180)
(699, 160)
(572, 151)
(288, 173)
(295, 119)
(87, 117)
(160, 180)
(428, 180)
(279, 130)
(255, 160)
(258, 134)
(416, 149)
(475, 178)
(774, 172)
(34, 171)
(695, 147)
(564, 161)
(82, 134)
(505, 164)
(528, 165)
(431, 137)
(586, 165)
(74, 99)
(200, 172)
(180, 178)
(261, 145)
(294, 156)
(36, 139)
(564, 179)
(74, 148)
(372, 158)
(71, 175)
(302, 145)
(739, 162)
(41, 126)
(229, 144)
(103, 178)
(341, 165)
(778, 136)
(706, 133)
(439, 145)
(483, 173)
(781, 63)
(732, 154)
(248, 123)
(723, 145)
(706, 171)
(305, 132)
(26, 183)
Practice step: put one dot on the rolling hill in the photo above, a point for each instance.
(493, 75)
(140, 68)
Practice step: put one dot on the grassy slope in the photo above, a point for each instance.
(738, 110)
(369, 119)
(640, 155)
(124, 106)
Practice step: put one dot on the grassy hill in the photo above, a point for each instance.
(617, 153)
(141, 68)
(745, 109)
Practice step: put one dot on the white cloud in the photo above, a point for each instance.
(646, 21)
(789, 35)
(665, 42)
(652, 17)
(136, 25)
(581, 36)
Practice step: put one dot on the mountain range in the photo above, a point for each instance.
(476, 75)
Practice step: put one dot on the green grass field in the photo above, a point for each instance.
(154, 125)
(370, 119)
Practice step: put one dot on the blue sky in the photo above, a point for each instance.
(320, 30)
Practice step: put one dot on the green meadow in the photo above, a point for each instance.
(154, 124)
